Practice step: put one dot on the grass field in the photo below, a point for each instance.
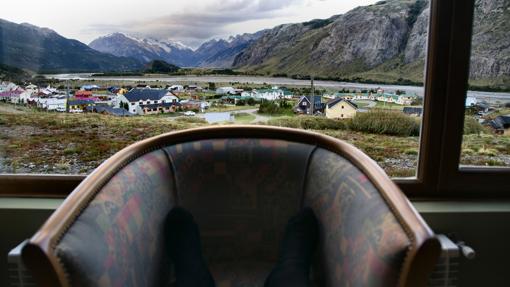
(243, 118)
(43, 142)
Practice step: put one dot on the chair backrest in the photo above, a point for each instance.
(241, 184)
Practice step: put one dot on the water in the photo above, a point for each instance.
(217, 117)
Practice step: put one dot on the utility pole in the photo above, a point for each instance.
(313, 98)
(67, 96)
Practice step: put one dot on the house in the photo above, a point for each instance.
(90, 87)
(365, 97)
(195, 105)
(304, 105)
(228, 91)
(12, 96)
(27, 96)
(193, 88)
(79, 105)
(403, 100)
(413, 111)
(233, 99)
(470, 101)
(136, 98)
(340, 109)
(500, 125)
(108, 110)
(272, 94)
(160, 108)
(482, 107)
(57, 103)
(176, 88)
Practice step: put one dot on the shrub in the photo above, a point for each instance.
(385, 122)
(472, 126)
(311, 123)
(274, 108)
(191, 120)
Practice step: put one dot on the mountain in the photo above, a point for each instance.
(43, 50)
(341, 46)
(144, 50)
(385, 41)
(217, 53)
(12, 74)
(490, 56)
(221, 53)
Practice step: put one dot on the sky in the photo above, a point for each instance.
(189, 22)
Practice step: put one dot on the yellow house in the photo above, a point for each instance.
(340, 109)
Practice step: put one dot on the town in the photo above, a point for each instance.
(146, 100)
(192, 99)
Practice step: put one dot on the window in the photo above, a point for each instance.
(486, 139)
(421, 149)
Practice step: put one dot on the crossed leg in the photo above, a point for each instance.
(292, 268)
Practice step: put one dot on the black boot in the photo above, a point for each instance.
(296, 252)
(185, 250)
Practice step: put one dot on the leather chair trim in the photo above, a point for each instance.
(50, 234)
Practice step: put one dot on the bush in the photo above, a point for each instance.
(472, 126)
(274, 108)
(385, 122)
(310, 123)
(192, 120)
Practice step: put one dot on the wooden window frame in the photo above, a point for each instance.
(438, 173)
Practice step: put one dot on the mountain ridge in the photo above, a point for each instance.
(37, 49)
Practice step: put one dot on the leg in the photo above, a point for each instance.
(296, 252)
(184, 247)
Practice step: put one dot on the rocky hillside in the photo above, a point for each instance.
(43, 50)
(385, 41)
(490, 57)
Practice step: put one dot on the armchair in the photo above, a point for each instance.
(241, 183)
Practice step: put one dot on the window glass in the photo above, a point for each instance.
(350, 69)
(486, 140)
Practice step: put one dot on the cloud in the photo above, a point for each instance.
(193, 25)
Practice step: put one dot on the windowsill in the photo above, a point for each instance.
(462, 206)
(30, 203)
(421, 206)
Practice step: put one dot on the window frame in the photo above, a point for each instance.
(438, 173)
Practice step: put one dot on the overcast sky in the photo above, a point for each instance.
(190, 22)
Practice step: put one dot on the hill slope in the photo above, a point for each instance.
(43, 50)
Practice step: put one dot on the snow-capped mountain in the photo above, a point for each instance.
(218, 53)
(145, 50)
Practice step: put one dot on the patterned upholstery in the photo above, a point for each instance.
(117, 240)
(362, 243)
(235, 189)
(241, 192)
